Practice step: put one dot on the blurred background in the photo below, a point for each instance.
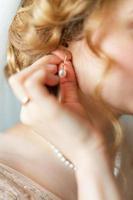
(9, 106)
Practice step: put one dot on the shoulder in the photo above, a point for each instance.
(17, 128)
(20, 148)
(14, 185)
(19, 134)
(13, 140)
(19, 144)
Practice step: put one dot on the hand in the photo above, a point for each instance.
(64, 123)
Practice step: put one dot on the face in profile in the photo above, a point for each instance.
(115, 40)
(117, 43)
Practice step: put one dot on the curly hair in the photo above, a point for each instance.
(41, 26)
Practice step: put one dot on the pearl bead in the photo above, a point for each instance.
(62, 73)
(56, 150)
(71, 165)
(66, 162)
(62, 158)
(59, 155)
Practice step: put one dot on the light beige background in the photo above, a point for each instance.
(9, 106)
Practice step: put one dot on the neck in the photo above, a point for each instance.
(100, 118)
(96, 112)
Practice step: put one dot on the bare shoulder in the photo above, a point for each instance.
(20, 133)
(20, 149)
(12, 146)
(27, 153)
(20, 142)
(18, 128)
(14, 185)
(25, 135)
(13, 135)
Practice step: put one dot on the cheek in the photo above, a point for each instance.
(120, 50)
(88, 68)
(120, 81)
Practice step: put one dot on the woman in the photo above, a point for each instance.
(89, 56)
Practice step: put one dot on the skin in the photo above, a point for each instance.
(114, 91)
(117, 43)
(65, 123)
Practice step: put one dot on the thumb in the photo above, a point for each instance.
(68, 84)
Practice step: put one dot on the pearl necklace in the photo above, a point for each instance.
(62, 158)
(69, 164)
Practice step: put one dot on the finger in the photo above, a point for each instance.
(47, 59)
(49, 62)
(19, 88)
(68, 84)
(37, 91)
(51, 79)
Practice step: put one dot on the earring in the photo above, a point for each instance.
(62, 71)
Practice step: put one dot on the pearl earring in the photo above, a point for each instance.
(62, 71)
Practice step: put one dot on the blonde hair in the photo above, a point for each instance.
(41, 26)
